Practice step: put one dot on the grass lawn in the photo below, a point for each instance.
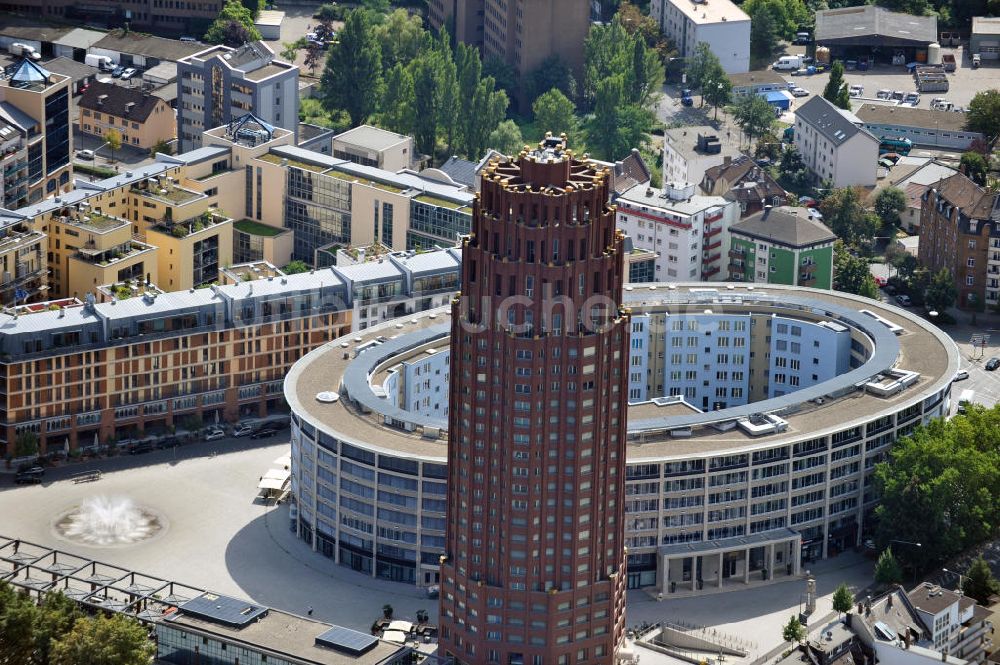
(256, 228)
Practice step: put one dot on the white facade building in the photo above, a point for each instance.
(690, 151)
(834, 146)
(687, 231)
(795, 357)
(719, 23)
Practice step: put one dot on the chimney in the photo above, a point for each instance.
(767, 210)
(100, 100)
(888, 602)
(726, 161)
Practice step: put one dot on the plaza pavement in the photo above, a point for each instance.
(218, 537)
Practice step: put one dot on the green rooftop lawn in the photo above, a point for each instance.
(442, 203)
(256, 228)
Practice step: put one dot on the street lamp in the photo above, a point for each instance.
(960, 577)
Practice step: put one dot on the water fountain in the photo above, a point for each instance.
(104, 521)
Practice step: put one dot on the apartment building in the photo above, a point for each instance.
(520, 34)
(170, 223)
(220, 84)
(34, 107)
(687, 231)
(958, 626)
(834, 145)
(143, 361)
(142, 119)
(960, 233)
(690, 151)
(783, 245)
(741, 180)
(925, 127)
(719, 23)
(163, 16)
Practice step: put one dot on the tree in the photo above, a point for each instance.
(505, 75)
(425, 100)
(329, 13)
(718, 93)
(754, 115)
(851, 273)
(612, 51)
(555, 113)
(889, 203)
(979, 582)
(104, 640)
(311, 111)
(26, 444)
(845, 215)
(553, 73)
(887, 568)
(506, 138)
(161, 146)
(114, 140)
(940, 486)
(234, 26)
(290, 50)
(788, 15)
(295, 267)
(387, 611)
(941, 291)
(377, 7)
(484, 112)
(57, 614)
(764, 32)
(836, 90)
(975, 166)
(704, 69)
(843, 600)
(984, 114)
(793, 631)
(793, 174)
(314, 55)
(397, 101)
(352, 80)
(448, 93)
(17, 620)
(400, 37)
(253, 6)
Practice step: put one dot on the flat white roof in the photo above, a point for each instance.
(713, 11)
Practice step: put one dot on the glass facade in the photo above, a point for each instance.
(318, 209)
(379, 515)
(57, 131)
(206, 261)
(642, 271)
(432, 225)
(247, 247)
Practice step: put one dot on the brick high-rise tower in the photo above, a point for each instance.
(535, 563)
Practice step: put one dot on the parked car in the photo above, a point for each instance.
(85, 154)
(215, 434)
(903, 300)
(29, 476)
(263, 433)
(898, 95)
(880, 281)
(912, 98)
(857, 90)
(992, 364)
(961, 375)
(242, 430)
(140, 448)
(884, 93)
(117, 71)
(129, 73)
(799, 92)
(687, 99)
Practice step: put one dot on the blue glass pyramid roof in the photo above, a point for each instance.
(28, 73)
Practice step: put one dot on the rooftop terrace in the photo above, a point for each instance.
(921, 349)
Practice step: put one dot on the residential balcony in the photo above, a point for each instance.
(807, 279)
(189, 227)
(717, 243)
(712, 257)
(737, 266)
(708, 272)
(737, 253)
(114, 255)
(713, 232)
(20, 239)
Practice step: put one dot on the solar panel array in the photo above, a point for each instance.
(347, 640)
(228, 611)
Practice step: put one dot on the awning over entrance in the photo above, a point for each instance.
(728, 544)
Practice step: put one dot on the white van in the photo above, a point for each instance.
(965, 399)
(102, 62)
(788, 63)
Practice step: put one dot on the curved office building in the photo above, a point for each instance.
(755, 418)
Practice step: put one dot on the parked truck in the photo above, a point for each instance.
(24, 51)
(102, 62)
(948, 60)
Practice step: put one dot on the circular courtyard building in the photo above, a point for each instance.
(756, 416)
